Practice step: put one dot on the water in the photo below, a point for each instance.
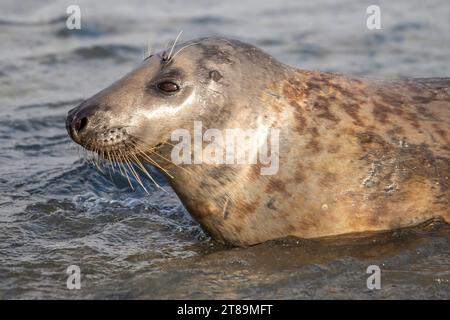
(57, 210)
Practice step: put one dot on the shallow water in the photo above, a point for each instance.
(57, 209)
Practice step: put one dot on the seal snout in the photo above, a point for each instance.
(80, 124)
(92, 130)
(77, 124)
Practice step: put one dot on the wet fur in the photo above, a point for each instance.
(355, 154)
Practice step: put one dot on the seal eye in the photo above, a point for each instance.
(168, 87)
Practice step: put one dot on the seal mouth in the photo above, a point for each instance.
(114, 144)
(124, 153)
(126, 144)
(105, 143)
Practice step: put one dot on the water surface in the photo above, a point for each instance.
(57, 210)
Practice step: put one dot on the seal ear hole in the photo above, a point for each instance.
(168, 87)
(215, 75)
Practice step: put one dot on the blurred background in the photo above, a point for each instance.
(56, 209)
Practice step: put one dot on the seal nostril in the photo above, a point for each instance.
(80, 124)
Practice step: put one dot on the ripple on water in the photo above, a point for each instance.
(57, 209)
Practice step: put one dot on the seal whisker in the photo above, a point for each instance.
(186, 46)
(164, 53)
(95, 157)
(173, 45)
(97, 160)
(149, 50)
(145, 171)
(168, 160)
(110, 161)
(89, 155)
(125, 170)
(153, 162)
(86, 155)
(119, 166)
(136, 175)
(142, 150)
(170, 144)
(109, 165)
(111, 156)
